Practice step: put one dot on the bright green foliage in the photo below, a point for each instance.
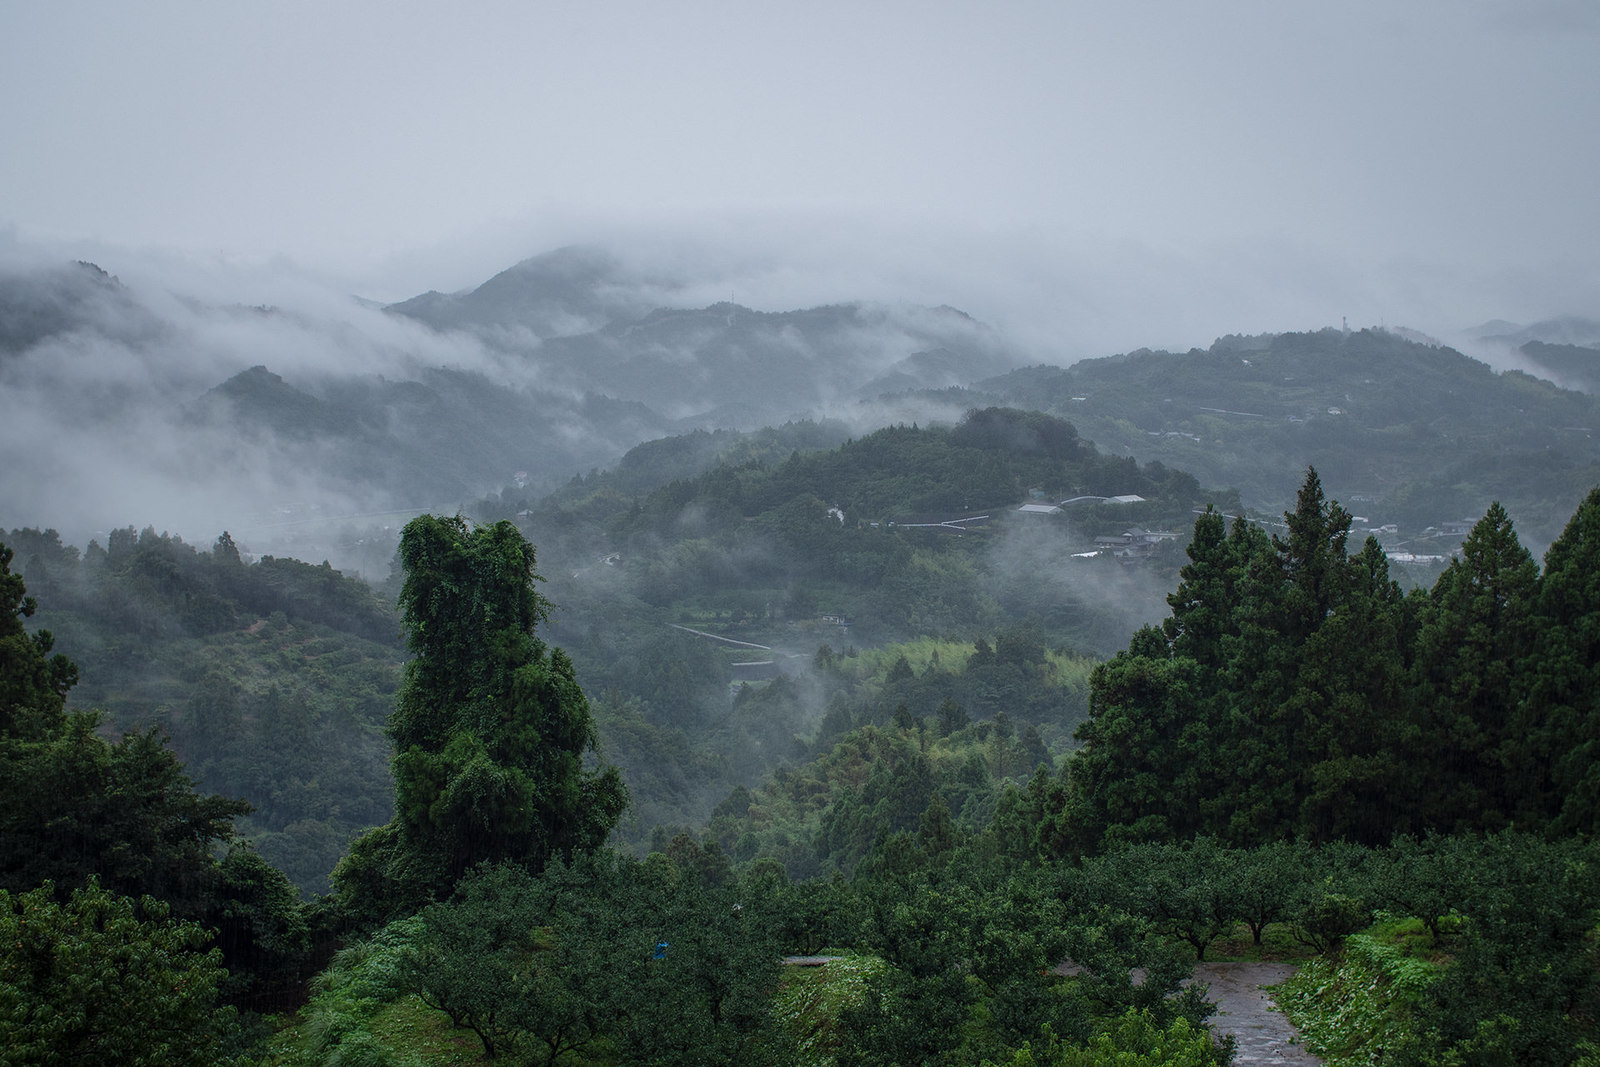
(362, 981)
(1351, 1007)
(491, 730)
(1136, 1041)
(100, 979)
(809, 1005)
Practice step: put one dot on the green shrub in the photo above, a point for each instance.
(1135, 1041)
(1353, 1004)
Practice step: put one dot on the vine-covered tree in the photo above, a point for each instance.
(491, 732)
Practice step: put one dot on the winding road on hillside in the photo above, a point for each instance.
(1262, 1033)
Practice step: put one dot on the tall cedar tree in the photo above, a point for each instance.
(1294, 692)
(1563, 717)
(1479, 628)
(1268, 705)
(491, 730)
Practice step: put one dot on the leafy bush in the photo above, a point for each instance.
(101, 979)
(1352, 1005)
(1136, 1041)
(358, 985)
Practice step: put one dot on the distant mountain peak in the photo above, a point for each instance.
(1563, 330)
(570, 290)
(37, 304)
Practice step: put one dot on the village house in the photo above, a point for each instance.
(1135, 543)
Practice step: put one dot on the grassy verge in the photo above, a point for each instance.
(1353, 1004)
(1278, 945)
(811, 1000)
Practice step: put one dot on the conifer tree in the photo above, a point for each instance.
(491, 730)
(1562, 721)
(1478, 629)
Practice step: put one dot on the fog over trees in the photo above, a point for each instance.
(849, 638)
(850, 536)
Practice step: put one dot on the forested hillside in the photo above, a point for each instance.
(907, 531)
(1299, 762)
(852, 701)
(133, 919)
(837, 548)
(1421, 434)
(272, 679)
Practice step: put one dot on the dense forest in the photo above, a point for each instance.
(1010, 852)
(273, 678)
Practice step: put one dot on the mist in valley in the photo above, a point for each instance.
(545, 249)
(853, 380)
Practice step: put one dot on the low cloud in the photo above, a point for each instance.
(97, 424)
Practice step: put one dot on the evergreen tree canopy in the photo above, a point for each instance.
(491, 731)
(101, 979)
(33, 683)
(112, 821)
(1564, 703)
(1294, 692)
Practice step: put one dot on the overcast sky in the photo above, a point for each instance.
(1180, 169)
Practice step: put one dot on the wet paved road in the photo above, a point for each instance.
(1245, 1010)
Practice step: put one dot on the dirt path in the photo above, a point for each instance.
(1245, 1010)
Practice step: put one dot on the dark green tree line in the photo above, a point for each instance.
(491, 731)
(87, 827)
(1294, 692)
